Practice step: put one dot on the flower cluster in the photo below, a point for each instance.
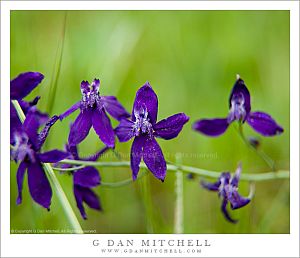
(27, 142)
(27, 138)
(240, 110)
(227, 188)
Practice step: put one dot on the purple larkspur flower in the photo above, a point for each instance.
(227, 188)
(93, 108)
(143, 126)
(20, 87)
(84, 179)
(240, 110)
(26, 150)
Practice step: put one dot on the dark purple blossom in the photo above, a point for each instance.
(24, 83)
(26, 150)
(93, 108)
(240, 110)
(144, 127)
(20, 87)
(227, 188)
(84, 179)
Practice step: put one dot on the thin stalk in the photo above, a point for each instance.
(259, 152)
(19, 110)
(279, 174)
(63, 199)
(68, 169)
(148, 204)
(178, 212)
(124, 182)
(55, 183)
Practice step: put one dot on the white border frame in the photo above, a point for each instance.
(229, 245)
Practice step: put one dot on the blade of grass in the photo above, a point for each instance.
(56, 68)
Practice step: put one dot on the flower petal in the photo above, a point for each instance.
(114, 108)
(103, 127)
(15, 124)
(70, 110)
(264, 124)
(240, 90)
(170, 127)
(87, 177)
(41, 118)
(211, 127)
(136, 155)
(91, 199)
(154, 158)
(81, 127)
(211, 186)
(45, 131)
(146, 99)
(84, 194)
(31, 126)
(236, 178)
(96, 85)
(124, 131)
(20, 178)
(72, 150)
(236, 200)
(85, 86)
(39, 186)
(24, 83)
(53, 156)
(225, 212)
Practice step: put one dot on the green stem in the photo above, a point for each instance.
(68, 169)
(19, 110)
(124, 182)
(280, 174)
(260, 153)
(57, 67)
(55, 183)
(178, 213)
(148, 204)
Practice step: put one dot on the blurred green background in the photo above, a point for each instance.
(191, 59)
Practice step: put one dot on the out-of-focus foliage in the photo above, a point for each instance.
(191, 59)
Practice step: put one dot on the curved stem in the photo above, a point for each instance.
(68, 169)
(280, 174)
(260, 153)
(124, 182)
(55, 183)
